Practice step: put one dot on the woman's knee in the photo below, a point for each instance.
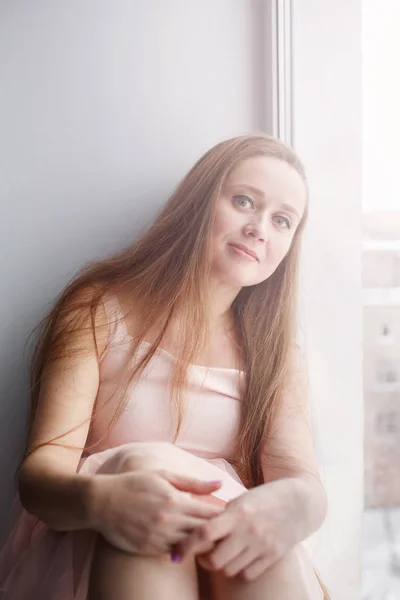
(135, 457)
(137, 462)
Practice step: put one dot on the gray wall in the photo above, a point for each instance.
(104, 105)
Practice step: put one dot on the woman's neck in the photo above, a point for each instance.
(220, 303)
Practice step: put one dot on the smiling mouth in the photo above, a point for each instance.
(243, 251)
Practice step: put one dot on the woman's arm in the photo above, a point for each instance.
(135, 509)
(261, 526)
(49, 486)
(59, 498)
(289, 457)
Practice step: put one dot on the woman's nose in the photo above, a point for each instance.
(258, 230)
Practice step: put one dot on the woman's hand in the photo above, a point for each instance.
(148, 512)
(253, 532)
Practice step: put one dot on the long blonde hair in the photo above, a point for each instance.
(167, 269)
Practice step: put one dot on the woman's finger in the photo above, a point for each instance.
(211, 499)
(226, 551)
(188, 524)
(240, 562)
(185, 533)
(256, 569)
(200, 509)
(210, 532)
(190, 484)
(203, 561)
(194, 544)
(220, 526)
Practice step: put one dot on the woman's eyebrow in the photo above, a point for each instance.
(259, 192)
(249, 187)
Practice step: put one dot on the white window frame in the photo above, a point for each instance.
(279, 69)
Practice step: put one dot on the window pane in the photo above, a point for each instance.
(381, 283)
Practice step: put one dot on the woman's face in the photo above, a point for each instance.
(257, 213)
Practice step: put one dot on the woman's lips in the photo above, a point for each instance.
(245, 252)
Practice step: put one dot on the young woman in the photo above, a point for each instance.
(170, 453)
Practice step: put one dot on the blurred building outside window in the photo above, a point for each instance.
(381, 298)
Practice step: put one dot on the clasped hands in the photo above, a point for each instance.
(249, 535)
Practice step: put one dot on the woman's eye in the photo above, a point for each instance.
(244, 201)
(283, 222)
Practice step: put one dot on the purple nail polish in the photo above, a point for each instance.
(216, 481)
(175, 557)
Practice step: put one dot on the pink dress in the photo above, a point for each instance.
(37, 562)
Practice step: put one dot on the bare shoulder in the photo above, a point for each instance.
(81, 321)
(131, 310)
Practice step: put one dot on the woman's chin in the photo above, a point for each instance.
(237, 282)
(236, 276)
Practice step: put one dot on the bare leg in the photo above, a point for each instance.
(116, 575)
(289, 579)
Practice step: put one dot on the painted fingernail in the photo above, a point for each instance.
(215, 481)
(175, 557)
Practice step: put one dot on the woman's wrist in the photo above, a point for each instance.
(79, 504)
(65, 501)
(304, 503)
(94, 500)
(307, 503)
